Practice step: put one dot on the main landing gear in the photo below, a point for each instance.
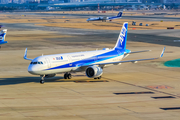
(67, 76)
(98, 77)
(42, 79)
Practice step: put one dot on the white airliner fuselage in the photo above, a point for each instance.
(50, 64)
(92, 62)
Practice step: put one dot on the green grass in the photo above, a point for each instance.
(173, 63)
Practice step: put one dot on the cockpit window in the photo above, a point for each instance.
(40, 62)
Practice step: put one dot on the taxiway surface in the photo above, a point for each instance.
(124, 92)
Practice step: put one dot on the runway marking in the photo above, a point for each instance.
(171, 108)
(90, 81)
(163, 97)
(142, 87)
(146, 92)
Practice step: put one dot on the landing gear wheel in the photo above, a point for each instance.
(65, 75)
(99, 77)
(42, 81)
(69, 76)
(95, 78)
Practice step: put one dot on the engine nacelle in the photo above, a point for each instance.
(94, 71)
(50, 75)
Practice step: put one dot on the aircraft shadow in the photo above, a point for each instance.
(20, 80)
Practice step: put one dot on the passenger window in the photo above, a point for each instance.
(39, 62)
(31, 63)
(35, 63)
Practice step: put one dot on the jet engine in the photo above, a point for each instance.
(94, 71)
(50, 75)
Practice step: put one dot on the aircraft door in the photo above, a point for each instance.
(48, 62)
(70, 60)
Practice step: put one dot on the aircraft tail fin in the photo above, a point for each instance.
(121, 41)
(3, 35)
(119, 14)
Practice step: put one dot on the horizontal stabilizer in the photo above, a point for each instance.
(138, 51)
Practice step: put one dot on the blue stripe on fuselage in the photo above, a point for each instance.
(113, 17)
(93, 59)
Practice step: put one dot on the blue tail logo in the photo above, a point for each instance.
(121, 42)
(119, 14)
(3, 35)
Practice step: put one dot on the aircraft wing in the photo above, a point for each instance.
(133, 61)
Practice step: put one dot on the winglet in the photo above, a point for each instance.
(25, 55)
(162, 52)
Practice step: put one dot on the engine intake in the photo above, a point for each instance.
(94, 71)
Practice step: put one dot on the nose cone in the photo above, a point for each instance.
(33, 69)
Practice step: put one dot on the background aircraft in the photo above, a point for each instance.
(92, 62)
(105, 18)
(2, 36)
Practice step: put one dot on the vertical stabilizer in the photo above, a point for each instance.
(121, 41)
(119, 14)
(3, 35)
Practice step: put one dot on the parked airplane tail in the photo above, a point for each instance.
(119, 14)
(121, 41)
(3, 35)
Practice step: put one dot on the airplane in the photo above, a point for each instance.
(2, 37)
(92, 62)
(105, 18)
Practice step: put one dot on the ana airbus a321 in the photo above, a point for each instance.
(92, 62)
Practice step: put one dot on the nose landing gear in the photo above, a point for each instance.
(42, 79)
(67, 76)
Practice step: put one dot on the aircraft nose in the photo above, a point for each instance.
(32, 69)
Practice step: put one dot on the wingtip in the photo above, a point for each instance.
(162, 52)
